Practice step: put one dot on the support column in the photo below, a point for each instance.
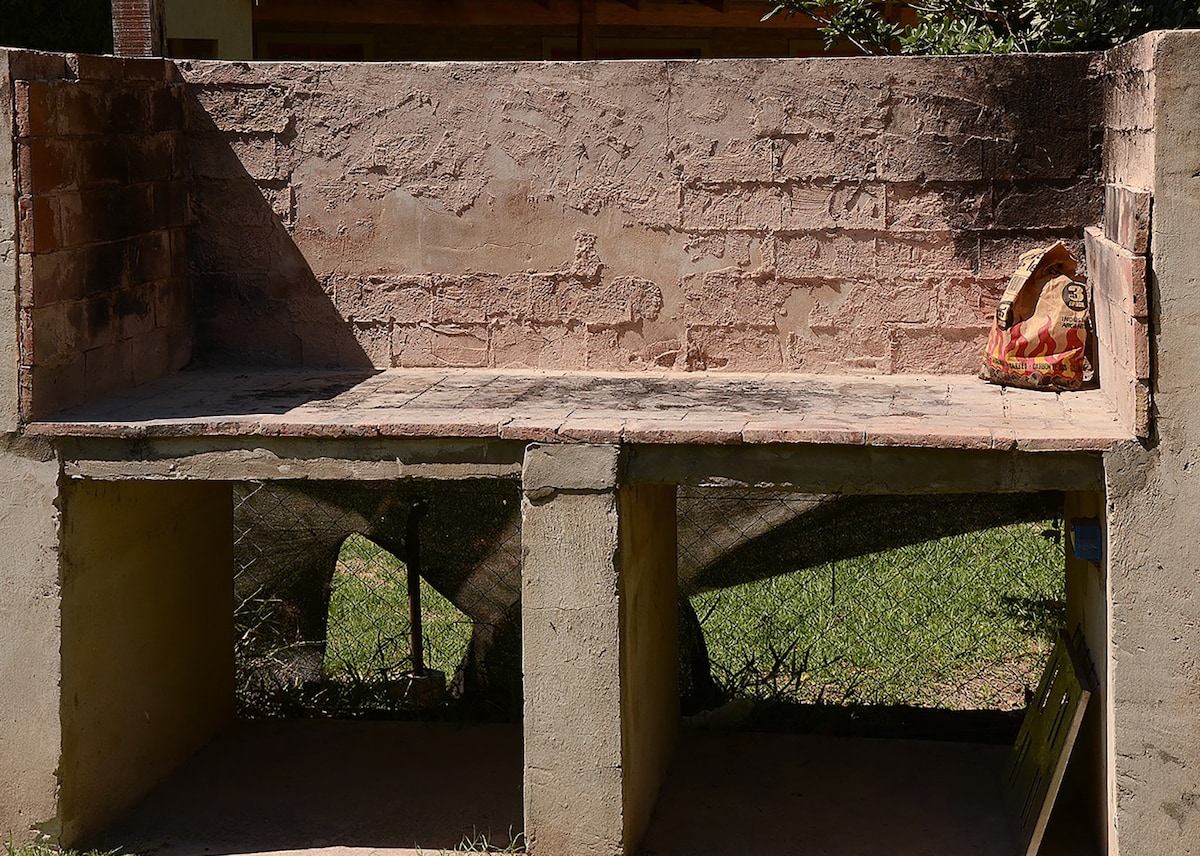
(600, 637)
(29, 639)
(1154, 501)
(147, 639)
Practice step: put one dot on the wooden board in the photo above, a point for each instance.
(1039, 757)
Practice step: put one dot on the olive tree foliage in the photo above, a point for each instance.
(988, 26)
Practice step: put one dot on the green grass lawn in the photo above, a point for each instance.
(368, 618)
(962, 623)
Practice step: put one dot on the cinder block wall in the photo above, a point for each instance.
(829, 215)
(105, 303)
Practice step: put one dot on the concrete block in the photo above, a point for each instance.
(35, 65)
(832, 255)
(857, 205)
(34, 108)
(52, 390)
(83, 110)
(1128, 156)
(1127, 217)
(1152, 497)
(743, 208)
(478, 298)
(572, 467)
(731, 298)
(648, 593)
(530, 345)
(47, 164)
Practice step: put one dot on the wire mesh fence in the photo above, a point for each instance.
(948, 602)
(323, 613)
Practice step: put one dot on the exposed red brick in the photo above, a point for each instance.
(38, 225)
(34, 108)
(83, 109)
(138, 27)
(108, 370)
(35, 65)
(47, 165)
(48, 278)
(55, 334)
(52, 390)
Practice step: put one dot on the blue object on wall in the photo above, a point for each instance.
(1087, 538)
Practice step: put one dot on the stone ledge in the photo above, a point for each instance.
(953, 412)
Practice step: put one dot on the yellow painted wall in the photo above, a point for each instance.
(1088, 610)
(649, 604)
(227, 21)
(147, 639)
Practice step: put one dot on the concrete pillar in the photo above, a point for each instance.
(1154, 504)
(599, 613)
(147, 639)
(29, 638)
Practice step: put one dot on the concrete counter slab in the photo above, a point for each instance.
(942, 412)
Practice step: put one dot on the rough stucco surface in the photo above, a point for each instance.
(808, 215)
(29, 633)
(1153, 495)
(573, 779)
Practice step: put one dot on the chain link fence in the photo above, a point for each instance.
(947, 602)
(323, 611)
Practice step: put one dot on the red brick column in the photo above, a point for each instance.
(138, 28)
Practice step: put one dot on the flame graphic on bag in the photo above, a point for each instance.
(1039, 335)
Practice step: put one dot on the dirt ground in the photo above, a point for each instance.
(332, 788)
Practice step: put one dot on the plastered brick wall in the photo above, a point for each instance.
(828, 215)
(102, 207)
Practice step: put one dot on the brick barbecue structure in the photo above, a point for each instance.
(605, 280)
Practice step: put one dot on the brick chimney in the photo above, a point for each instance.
(138, 28)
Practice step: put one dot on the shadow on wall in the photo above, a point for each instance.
(257, 299)
(1035, 145)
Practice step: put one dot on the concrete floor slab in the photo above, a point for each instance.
(328, 788)
(803, 795)
(334, 788)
